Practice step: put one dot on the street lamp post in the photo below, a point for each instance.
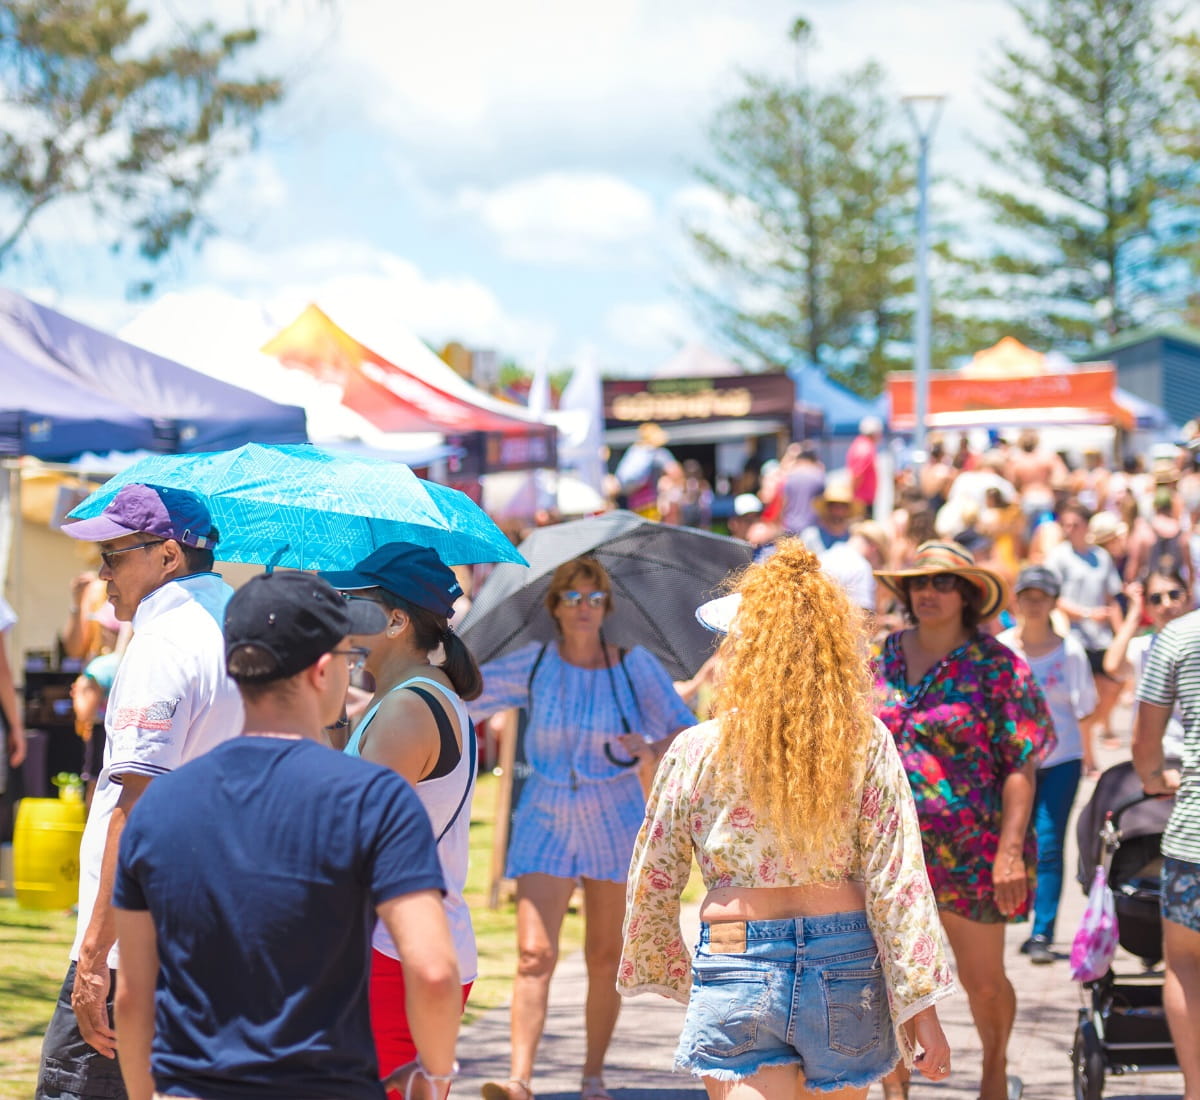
(924, 111)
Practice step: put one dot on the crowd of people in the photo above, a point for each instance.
(900, 710)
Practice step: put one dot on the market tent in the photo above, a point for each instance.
(54, 420)
(149, 401)
(840, 409)
(1008, 385)
(402, 388)
(220, 335)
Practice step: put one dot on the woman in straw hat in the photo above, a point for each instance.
(970, 724)
(820, 960)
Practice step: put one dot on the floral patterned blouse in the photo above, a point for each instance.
(973, 719)
(695, 808)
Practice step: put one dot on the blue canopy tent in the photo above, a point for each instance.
(841, 410)
(67, 388)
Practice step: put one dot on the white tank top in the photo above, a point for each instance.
(441, 797)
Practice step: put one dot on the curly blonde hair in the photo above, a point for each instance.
(794, 699)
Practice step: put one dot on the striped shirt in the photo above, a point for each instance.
(1172, 676)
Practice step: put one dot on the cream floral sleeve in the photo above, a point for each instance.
(901, 909)
(654, 958)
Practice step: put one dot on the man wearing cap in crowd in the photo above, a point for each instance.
(835, 509)
(170, 702)
(244, 963)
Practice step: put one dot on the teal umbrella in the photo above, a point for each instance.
(301, 507)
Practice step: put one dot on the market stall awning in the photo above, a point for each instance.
(393, 398)
(67, 388)
(1010, 385)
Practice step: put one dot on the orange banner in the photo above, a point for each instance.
(1089, 391)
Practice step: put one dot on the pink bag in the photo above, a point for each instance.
(1095, 943)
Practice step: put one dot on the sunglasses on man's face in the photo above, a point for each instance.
(941, 582)
(1170, 596)
(571, 598)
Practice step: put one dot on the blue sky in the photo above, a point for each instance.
(511, 175)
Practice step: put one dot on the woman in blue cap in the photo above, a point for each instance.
(417, 724)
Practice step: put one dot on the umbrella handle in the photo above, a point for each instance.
(614, 759)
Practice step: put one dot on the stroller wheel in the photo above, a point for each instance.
(1087, 1063)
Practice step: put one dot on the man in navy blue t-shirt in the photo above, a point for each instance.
(249, 881)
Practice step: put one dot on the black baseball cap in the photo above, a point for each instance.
(293, 617)
(414, 573)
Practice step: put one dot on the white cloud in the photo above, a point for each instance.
(565, 218)
(651, 329)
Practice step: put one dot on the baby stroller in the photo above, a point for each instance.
(1122, 1026)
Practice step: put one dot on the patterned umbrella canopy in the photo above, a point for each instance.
(300, 507)
(660, 575)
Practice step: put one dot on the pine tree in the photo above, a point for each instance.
(813, 256)
(1083, 197)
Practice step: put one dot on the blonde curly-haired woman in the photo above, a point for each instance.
(820, 958)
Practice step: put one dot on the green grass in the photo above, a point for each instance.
(33, 959)
(34, 948)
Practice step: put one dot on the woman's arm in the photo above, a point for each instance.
(654, 956)
(900, 905)
(1115, 665)
(1010, 882)
(403, 736)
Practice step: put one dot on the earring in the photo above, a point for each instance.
(392, 632)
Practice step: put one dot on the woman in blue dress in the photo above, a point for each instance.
(589, 706)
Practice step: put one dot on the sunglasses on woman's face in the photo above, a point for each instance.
(571, 598)
(1170, 596)
(942, 582)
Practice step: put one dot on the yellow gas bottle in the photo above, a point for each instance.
(46, 839)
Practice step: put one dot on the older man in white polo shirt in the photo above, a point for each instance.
(171, 702)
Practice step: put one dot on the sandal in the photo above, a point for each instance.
(503, 1090)
(592, 1088)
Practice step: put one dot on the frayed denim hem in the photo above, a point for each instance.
(733, 1075)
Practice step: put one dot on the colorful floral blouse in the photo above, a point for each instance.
(695, 808)
(975, 718)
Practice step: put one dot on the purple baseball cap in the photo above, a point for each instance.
(154, 509)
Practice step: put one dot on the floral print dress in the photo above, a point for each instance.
(694, 808)
(973, 719)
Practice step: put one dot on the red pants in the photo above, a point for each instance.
(389, 1021)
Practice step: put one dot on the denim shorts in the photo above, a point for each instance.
(807, 991)
(1181, 892)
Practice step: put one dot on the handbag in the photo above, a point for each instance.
(1095, 943)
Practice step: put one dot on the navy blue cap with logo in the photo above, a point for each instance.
(414, 573)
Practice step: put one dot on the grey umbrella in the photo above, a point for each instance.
(660, 575)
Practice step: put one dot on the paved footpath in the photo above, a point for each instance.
(642, 1053)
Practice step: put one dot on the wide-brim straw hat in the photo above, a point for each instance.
(944, 556)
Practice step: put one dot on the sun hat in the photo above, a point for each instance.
(294, 617)
(1104, 527)
(1039, 577)
(151, 509)
(414, 573)
(718, 614)
(944, 556)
